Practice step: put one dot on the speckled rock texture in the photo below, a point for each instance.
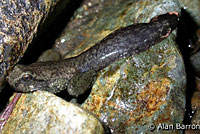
(96, 19)
(132, 93)
(19, 23)
(192, 132)
(196, 123)
(137, 91)
(42, 113)
(195, 101)
(196, 117)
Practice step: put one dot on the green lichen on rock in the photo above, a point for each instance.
(86, 29)
(136, 91)
(43, 112)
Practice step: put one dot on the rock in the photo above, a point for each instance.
(195, 101)
(193, 7)
(195, 63)
(192, 132)
(43, 112)
(197, 81)
(194, 59)
(95, 20)
(137, 91)
(196, 118)
(141, 90)
(134, 92)
(20, 21)
(49, 55)
(195, 123)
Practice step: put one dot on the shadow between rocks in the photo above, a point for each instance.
(44, 40)
(185, 39)
(46, 37)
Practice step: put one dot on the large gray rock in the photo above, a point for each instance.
(43, 112)
(141, 90)
(19, 24)
(134, 92)
(95, 20)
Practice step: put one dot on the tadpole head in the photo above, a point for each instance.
(21, 80)
(31, 78)
(171, 19)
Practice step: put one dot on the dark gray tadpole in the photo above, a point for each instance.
(77, 74)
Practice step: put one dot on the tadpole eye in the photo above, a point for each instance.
(27, 77)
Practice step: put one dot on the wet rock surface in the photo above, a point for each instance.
(195, 119)
(141, 90)
(96, 19)
(42, 112)
(20, 21)
(132, 93)
(196, 101)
